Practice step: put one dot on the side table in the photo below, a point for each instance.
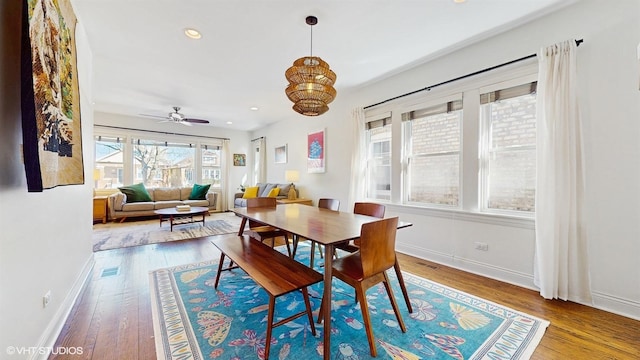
(100, 209)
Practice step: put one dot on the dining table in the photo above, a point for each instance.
(323, 226)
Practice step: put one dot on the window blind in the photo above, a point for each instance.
(508, 93)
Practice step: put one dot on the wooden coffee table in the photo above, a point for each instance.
(177, 217)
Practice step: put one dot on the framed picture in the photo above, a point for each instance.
(316, 152)
(239, 160)
(281, 154)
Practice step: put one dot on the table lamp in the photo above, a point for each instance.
(292, 176)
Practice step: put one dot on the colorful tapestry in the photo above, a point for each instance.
(192, 320)
(50, 96)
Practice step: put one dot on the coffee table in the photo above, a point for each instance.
(177, 217)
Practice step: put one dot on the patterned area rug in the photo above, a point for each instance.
(194, 321)
(118, 235)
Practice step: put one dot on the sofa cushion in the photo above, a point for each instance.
(185, 192)
(203, 203)
(136, 193)
(166, 194)
(267, 188)
(137, 206)
(250, 192)
(274, 192)
(167, 204)
(240, 202)
(199, 192)
(284, 189)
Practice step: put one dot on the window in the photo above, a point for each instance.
(432, 154)
(211, 165)
(163, 164)
(109, 165)
(508, 148)
(378, 171)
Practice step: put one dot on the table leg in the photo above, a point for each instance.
(242, 225)
(171, 221)
(328, 266)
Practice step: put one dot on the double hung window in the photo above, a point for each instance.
(109, 164)
(432, 153)
(508, 148)
(378, 169)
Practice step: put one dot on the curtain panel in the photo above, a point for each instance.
(561, 268)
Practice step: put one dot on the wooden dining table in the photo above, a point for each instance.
(325, 227)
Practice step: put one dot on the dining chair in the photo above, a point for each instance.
(376, 210)
(262, 232)
(367, 267)
(324, 203)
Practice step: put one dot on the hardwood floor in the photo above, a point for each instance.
(112, 316)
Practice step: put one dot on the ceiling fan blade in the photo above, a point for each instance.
(185, 123)
(154, 116)
(196, 121)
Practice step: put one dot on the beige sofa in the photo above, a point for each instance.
(162, 198)
(263, 191)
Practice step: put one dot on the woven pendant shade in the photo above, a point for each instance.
(310, 84)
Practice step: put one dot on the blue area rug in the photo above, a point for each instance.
(194, 321)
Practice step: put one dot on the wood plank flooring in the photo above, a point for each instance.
(112, 316)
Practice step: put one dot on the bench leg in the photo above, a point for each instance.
(267, 345)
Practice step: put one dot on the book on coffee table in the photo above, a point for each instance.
(183, 207)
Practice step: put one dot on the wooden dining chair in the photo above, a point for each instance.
(367, 267)
(376, 210)
(262, 232)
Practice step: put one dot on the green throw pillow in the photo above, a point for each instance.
(199, 192)
(136, 193)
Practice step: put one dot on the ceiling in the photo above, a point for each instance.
(144, 64)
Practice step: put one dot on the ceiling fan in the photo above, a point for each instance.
(177, 117)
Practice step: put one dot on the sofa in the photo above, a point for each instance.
(263, 190)
(161, 198)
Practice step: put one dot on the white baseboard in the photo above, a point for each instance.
(616, 305)
(51, 333)
(471, 266)
(601, 301)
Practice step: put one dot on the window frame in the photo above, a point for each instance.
(383, 120)
(407, 142)
(484, 152)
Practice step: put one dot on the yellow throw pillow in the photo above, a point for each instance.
(250, 192)
(274, 192)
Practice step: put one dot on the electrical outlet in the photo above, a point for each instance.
(482, 246)
(46, 299)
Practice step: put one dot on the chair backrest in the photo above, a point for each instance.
(331, 204)
(378, 246)
(370, 209)
(268, 202)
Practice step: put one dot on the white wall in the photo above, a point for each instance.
(610, 104)
(45, 238)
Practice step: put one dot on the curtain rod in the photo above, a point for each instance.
(428, 88)
(161, 132)
(258, 138)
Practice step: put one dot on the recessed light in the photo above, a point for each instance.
(459, 1)
(229, 122)
(192, 33)
(254, 108)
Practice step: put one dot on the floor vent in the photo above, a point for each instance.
(110, 272)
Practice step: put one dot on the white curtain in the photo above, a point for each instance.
(260, 162)
(225, 164)
(358, 157)
(561, 268)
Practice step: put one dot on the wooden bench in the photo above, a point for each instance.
(276, 273)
